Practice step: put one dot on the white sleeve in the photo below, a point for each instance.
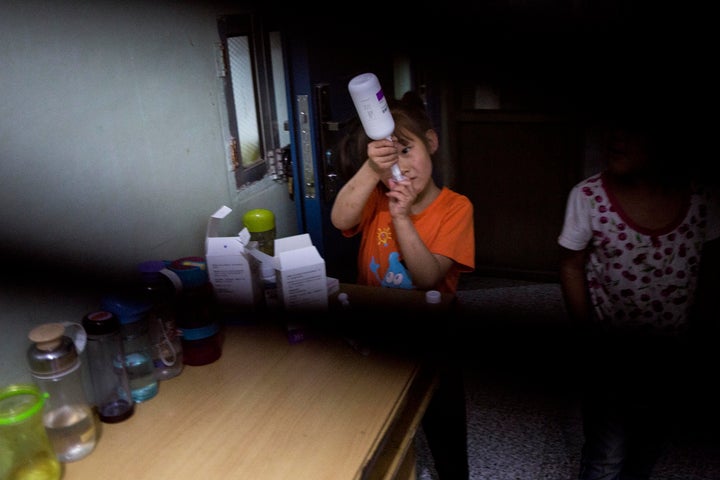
(576, 231)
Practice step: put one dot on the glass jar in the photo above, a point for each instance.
(111, 392)
(55, 367)
(26, 452)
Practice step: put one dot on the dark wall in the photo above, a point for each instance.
(554, 66)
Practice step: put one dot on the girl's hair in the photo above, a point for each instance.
(410, 116)
(352, 150)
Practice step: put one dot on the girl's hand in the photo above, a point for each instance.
(382, 154)
(401, 197)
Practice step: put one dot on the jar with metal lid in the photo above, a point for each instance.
(111, 393)
(54, 360)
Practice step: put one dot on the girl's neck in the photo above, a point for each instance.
(425, 198)
(648, 204)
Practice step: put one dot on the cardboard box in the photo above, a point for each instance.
(301, 278)
(232, 272)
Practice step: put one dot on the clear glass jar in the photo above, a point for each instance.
(111, 392)
(55, 367)
(26, 452)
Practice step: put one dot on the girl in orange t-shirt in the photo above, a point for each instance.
(415, 234)
(418, 235)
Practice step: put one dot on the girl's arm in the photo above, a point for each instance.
(350, 200)
(426, 268)
(574, 286)
(348, 206)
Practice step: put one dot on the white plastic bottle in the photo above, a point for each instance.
(373, 110)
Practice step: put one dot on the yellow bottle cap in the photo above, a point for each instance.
(259, 220)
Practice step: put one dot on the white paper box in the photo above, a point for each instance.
(231, 270)
(301, 277)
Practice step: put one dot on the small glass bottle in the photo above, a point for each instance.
(132, 311)
(261, 225)
(55, 366)
(111, 392)
(161, 290)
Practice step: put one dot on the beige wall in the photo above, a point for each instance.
(112, 132)
(111, 147)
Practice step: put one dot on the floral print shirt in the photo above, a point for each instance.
(638, 278)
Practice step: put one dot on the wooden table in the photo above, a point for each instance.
(268, 409)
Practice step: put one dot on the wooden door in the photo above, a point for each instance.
(517, 170)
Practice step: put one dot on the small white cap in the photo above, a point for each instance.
(344, 299)
(433, 296)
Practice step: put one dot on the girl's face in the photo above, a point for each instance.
(415, 160)
(627, 151)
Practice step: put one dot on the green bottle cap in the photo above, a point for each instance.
(259, 220)
(20, 402)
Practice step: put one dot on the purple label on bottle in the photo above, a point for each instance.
(379, 95)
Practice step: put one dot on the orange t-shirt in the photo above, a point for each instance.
(445, 226)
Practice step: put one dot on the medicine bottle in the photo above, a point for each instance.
(111, 392)
(261, 225)
(371, 105)
(373, 110)
(55, 366)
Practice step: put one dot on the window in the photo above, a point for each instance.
(254, 76)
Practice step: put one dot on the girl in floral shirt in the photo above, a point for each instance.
(633, 243)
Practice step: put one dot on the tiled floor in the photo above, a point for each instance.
(522, 403)
(472, 281)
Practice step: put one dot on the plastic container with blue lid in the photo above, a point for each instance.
(196, 312)
(132, 310)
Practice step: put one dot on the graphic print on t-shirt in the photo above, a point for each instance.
(396, 275)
